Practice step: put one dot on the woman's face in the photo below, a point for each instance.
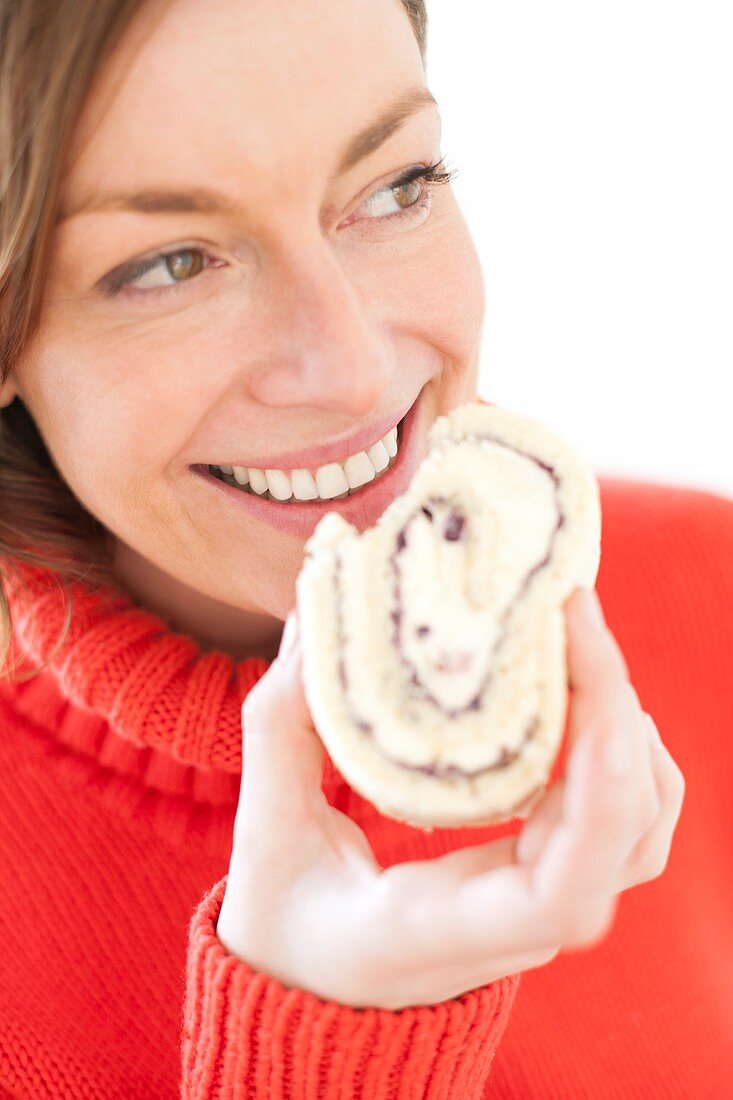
(307, 302)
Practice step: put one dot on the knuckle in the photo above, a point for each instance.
(585, 924)
(649, 814)
(582, 931)
(654, 869)
(552, 919)
(540, 956)
(678, 782)
(673, 776)
(587, 934)
(674, 782)
(679, 801)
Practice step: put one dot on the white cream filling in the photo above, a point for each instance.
(323, 483)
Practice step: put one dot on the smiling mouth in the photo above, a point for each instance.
(334, 481)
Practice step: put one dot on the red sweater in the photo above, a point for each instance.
(119, 778)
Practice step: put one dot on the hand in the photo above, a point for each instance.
(597, 832)
(307, 903)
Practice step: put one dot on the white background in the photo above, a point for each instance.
(594, 148)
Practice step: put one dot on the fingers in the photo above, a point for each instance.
(576, 843)
(610, 796)
(582, 834)
(445, 872)
(289, 637)
(557, 885)
(651, 853)
(597, 670)
(602, 695)
(590, 933)
(431, 907)
(596, 665)
(649, 856)
(508, 964)
(536, 830)
(282, 753)
(589, 845)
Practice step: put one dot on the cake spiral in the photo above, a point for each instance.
(434, 642)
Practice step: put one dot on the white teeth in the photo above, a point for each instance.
(378, 455)
(304, 486)
(327, 482)
(279, 484)
(390, 442)
(257, 481)
(359, 470)
(331, 481)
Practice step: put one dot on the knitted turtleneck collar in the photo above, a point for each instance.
(125, 681)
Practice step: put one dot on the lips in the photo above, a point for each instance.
(361, 508)
(331, 482)
(313, 457)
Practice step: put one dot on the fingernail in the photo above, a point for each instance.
(289, 634)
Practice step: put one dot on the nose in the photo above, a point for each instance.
(332, 356)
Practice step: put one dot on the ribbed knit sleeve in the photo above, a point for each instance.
(246, 1035)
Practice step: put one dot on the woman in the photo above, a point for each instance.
(227, 242)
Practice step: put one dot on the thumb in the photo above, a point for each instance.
(282, 755)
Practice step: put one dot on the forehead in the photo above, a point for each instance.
(239, 85)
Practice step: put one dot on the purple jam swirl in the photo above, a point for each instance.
(455, 529)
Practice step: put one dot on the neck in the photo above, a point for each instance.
(214, 625)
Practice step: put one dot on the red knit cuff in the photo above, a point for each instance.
(244, 1033)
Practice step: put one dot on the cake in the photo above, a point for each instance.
(434, 648)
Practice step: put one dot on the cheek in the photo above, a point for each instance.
(110, 443)
(461, 296)
(124, 484)
(447, 293)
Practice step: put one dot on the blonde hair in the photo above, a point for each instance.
(50, 51)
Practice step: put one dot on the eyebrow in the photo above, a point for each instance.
(203, 200)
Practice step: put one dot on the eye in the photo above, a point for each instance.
(179, 266)
(410, 192)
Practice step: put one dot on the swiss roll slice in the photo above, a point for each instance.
(434, 642)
